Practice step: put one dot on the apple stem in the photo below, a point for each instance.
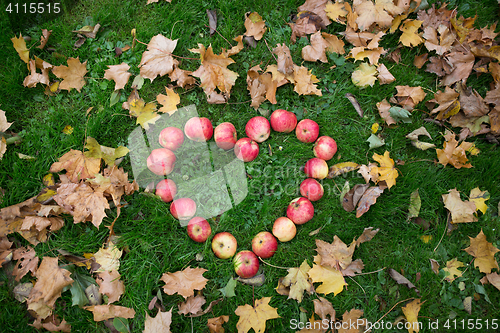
(272, 265)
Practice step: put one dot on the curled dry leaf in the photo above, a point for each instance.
(400, 279)
(44, 38)
(355, 104)
(341, 168)
(434, 266)
(324, 309)
(215, 324)
(285, 62)
(368, 199)
(257, 281)
(383, 109)
(352, 197)
(27, 261)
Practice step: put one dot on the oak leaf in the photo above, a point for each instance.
(255, 25)
(192, 305)
(184, 282)
(119, 74)
(483, 252)
(364, 75)
(169, 101)
(50, 282)
(452, 153)
(77, 165)
(158, 59)
(104, 312)
(110, 285)
(410, 311)
(386, 170)
(461, 211)
(215, 324)
(451, 269)
(159, 324)
(255, 316)
(20, 46)
(298, 281)
(72, 74)
(410, 36)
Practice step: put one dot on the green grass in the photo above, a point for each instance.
(153, 241)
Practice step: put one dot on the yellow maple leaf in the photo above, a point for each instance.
(332, 279)
(304, 81)
(184, 282)
(452, 269)
(72, 74)
(484, 252)
(168, 101)
(145, 112)
(461, 211)
(410, 36)
(372, 13)
(479, 197)
(298, 281)
(255, 316)
(410, 311)
(386, 170)
(336, 11)
(108, 154)
(20, 46)
(335, 45)
(364, 75)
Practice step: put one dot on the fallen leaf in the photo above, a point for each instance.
(305, 81)
(410, 36)
(351, 322)
(451, 269)
(479, 197)
(27, 261)
(408, 97)
(158, 59)
(183, 77)
(119, 74)
(352, 197)
(34, 78)
(212, 20)
(315, 51)
(332, 279)
(44, 38)
(415, 204)
(400, 279)
(324, 309)
(228, 290)
(298, 281)
(159, 324)
(335, 255)
(20, 46)
(169, 101)
(383, 110)
(410, 311)
(52, 324)
(463, 62)
(341, 168)
(184, 282)
(372, 13)
(368, 199)
(72, 75)
(110, 285)
(364, 75)
(318, 7)
(108, 258)
(255, 25)
(336, 11)
(256, 281)
(483, 252)
(494, 279)
(215, 324)
(77, 166)
(434, 266)
(145, 112)
(355, 104)
(255, 316)
(384, 76)
(452, 153)
(105, 312)
(335, 45)
(375, 141)
(367, 235)
(89, 31)
(387, 172)
(192, 305)
(461, 211)
(285, 62)
(307, 22)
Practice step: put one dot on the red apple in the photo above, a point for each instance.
(311, 189)
(198, 229)
(161, 161)
(307, 130)
(316, 168)
(171, 138)
(258, 129)
(283, 121)
(325, 147)
(300, 210)
(246, 264)
(224, 245)
(225, 135)
(166, 190)
(284, 229)
(199, 129)
(246, 149)
(183, 208)
(264, 244)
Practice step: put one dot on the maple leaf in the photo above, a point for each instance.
(34, 228)
(255, 25)
(285, 62)
(261, 87)
(409, 97)
(119, 74)
(452, 153)
(182, 77)
(462, 67)
(168, 101)
(494, 279)
(315, 51)
(461, 211)
(324, 308)
(351, 322)
(335, 255)
(77, 165)
(110, 285)
(44, 38)
(364, 75)
(441, 45)
(109, 155)
(160, 323)
(471, 103)
(410, 36)
(386, 169)
(298, 281)
(104, 312)
(372, 13)
(384, 76)
(52, 324)
(184, 282)
(410, 311)
(306, 23)
(255, 316)
(20, 46)
(50, 282)
(108, 258)
(158, 59)
(383, 110)
(215, 324)
(305, 81)
(483, 252)
(317, 7)
(336, 12)
(448, 103)
(72, 74)
(214, 73)
(27, 261)
(333, 280)
(192, 305)
(373, 55)
(451, 269)
(145, 112)
(335, 45)
(31, 80)
(479, 197)
(5, 250)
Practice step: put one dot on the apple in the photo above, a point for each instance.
(316, 168)
(300, 210)
(311, 189)
(166, 190)
(224, 245)
(246, 264)
(264, 244)
(225, 135)
(307, 130)
(161, 161)
(284, 229)
(246, 149)
(198, 229)
(183, 208)
(258, 129)
(325, 147)
(171, 138)
(199, 129)
(283, 121)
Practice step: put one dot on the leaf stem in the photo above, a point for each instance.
(272, 265)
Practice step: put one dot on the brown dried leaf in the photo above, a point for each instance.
(192, 305)
(315, 51)
(368, 199)
(483, 252)
(77, 166)
(105, 312)
(119, 74)
(462, 67)
(400, 279)
(335, 255)
(285, 62)
(158, 59)
(255, 25)
(44, 38)
(461, 211)
(110, 285)
(215, 324)
(324, 309)
(305, 81)
(183, 77)
(452, 153)
(34, 78)
(184, 282)
(335, 45)
(27, 261)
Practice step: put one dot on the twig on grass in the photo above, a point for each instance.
(445, 227)
(206, 26)
(378, 270)
(272, 265)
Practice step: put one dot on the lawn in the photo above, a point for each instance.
(154, 242)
